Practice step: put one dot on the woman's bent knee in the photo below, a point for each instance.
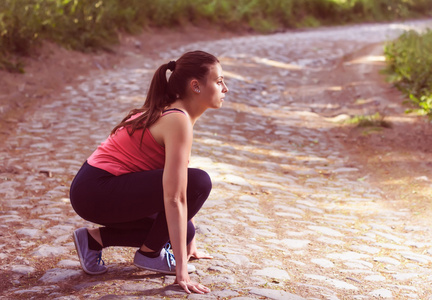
(200, 181)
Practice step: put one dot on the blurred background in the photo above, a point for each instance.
(95, 24)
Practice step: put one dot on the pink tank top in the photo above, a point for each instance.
(121, 153)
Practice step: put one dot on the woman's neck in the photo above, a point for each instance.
(192, 111)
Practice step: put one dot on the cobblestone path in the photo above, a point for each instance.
(289, 217)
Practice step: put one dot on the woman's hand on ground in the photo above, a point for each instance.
(194, 253)
(190, 286)
(200, 255)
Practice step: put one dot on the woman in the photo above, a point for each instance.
(137, 183)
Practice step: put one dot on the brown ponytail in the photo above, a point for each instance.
(163, 92)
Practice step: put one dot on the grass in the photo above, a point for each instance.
(409, 68)
(376, 120)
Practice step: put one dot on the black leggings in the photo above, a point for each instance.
(131, 206)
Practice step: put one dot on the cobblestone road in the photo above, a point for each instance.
(289, 217)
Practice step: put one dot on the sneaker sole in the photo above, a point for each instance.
(155, 270)
(159, 271)
(81, 259)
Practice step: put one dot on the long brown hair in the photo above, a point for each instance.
(163, 92)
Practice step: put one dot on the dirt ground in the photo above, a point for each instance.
(397, 158)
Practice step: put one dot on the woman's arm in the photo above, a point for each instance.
(193, 251)
(177, 138)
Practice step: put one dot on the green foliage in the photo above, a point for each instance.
(75, 24)
(409, 66)
(381, 9)
(375, 120)
(18, 27)
(88, 25)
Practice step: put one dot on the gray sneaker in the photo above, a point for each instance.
(164, 263)
(90, 259)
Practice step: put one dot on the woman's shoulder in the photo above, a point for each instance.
(174, 118)
(173, 123)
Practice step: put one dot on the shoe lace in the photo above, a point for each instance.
(169, 256)
(99, 259)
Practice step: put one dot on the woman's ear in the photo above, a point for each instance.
(194, 85)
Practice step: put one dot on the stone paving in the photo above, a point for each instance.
(289, 216)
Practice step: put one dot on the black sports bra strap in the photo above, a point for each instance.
(177, 109)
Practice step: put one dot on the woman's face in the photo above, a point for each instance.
(214, 89)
